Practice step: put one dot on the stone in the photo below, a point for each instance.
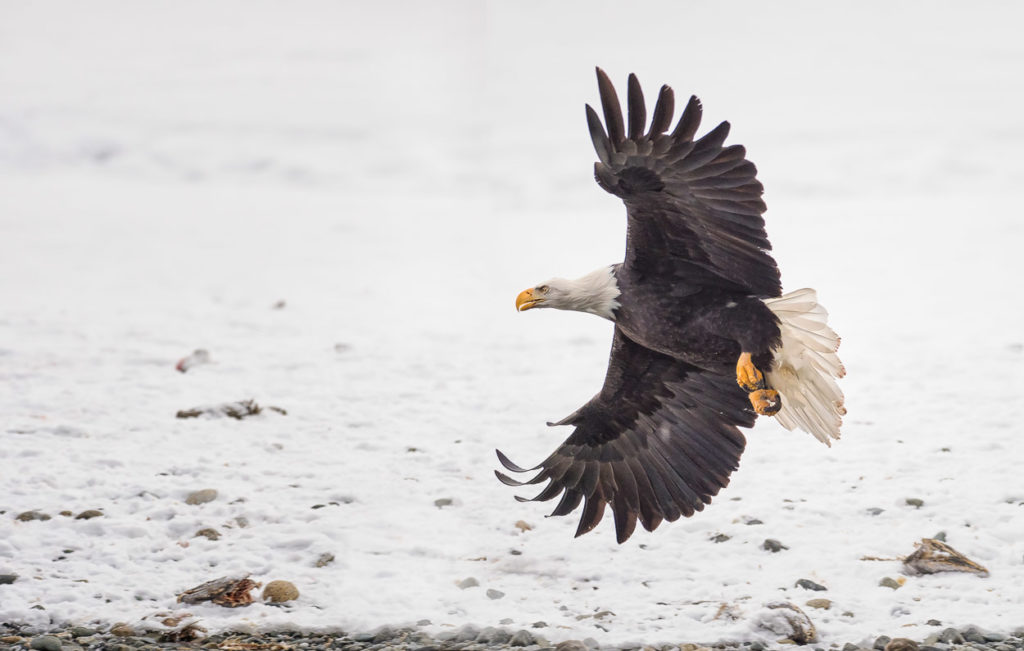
(807, 584)
(279, 592)
(889, 582)
(720, 538)
(521, 638)
(89, 514)
(493, 636)
(523, 526)
(874, 510)
(325, 559)
(914, 502)
(539, 624)
(940, 536)
(951, 636)
(571, 645)
(7, 579)
(823, 604)
(443, 502)
(494, 594)
(850, 647)
(122, 630)
(201, 496)
(772, 545)
(901, 644)
(82, 631)
(46, 643)
(880, 642)
(469, 582)
(28, 516)
(208, 533)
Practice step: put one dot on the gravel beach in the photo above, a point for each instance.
(467, 638)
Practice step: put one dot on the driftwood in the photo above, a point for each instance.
(225, 591)
(934, 556)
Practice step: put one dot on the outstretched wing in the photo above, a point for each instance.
(690, 203)
(656, 443)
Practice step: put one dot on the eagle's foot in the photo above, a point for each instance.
(747, 375)
(766, 402)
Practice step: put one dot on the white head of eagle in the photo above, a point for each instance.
(596, 293)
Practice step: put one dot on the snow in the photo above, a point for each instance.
(396, 173)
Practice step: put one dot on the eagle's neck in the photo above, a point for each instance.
(596, 293)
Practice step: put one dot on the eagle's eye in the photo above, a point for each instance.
(543, 289)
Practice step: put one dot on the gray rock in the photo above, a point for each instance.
(201, 496)
(951, 636)
(823, 604)
(325, 559)
(46, 643)
(494, 636)
(850, 647)
(889, 582)
(940, 536)
(443, 502)
(539, 624)
(506, 621)
(901, 644)
(914, 502)
(772, 545)
(494, 594)
(469, 582)
(467, 633)
(881, 641)
(82, 631)
(7, 579)
(720, 538)
(209, 533)
(874, 510)
(89, 514)
(807, 584)
(522, 638)
(594, 644)
(571, 645)
(994, 637)
(974, 635)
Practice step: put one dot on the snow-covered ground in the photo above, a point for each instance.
(396, 173)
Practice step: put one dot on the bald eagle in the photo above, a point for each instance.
(704, 339)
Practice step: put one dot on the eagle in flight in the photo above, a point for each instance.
(704, 340)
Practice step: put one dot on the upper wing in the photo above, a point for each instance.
(657, 442)
(689, 203)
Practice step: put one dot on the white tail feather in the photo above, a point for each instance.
(806, 367)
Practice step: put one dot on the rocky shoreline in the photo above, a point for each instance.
(467, 638)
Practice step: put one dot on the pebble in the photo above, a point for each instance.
(889, 582)
(208, 533)
(914, 502)
(469, 582)
(720, 538)
(46, 643)
(772, 545)
(7, 579)
(28, 516)
(522, 638)
(823, 604)
(89, 514)
(494, 594)
(280, 591)
(201, 496)
(443, 502)
(325, 559)
(901, 644)
(881, 641)
(807, 584)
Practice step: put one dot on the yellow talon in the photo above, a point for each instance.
(747, 375)
(766, 402)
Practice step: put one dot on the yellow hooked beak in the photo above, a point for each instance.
(526, 300)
